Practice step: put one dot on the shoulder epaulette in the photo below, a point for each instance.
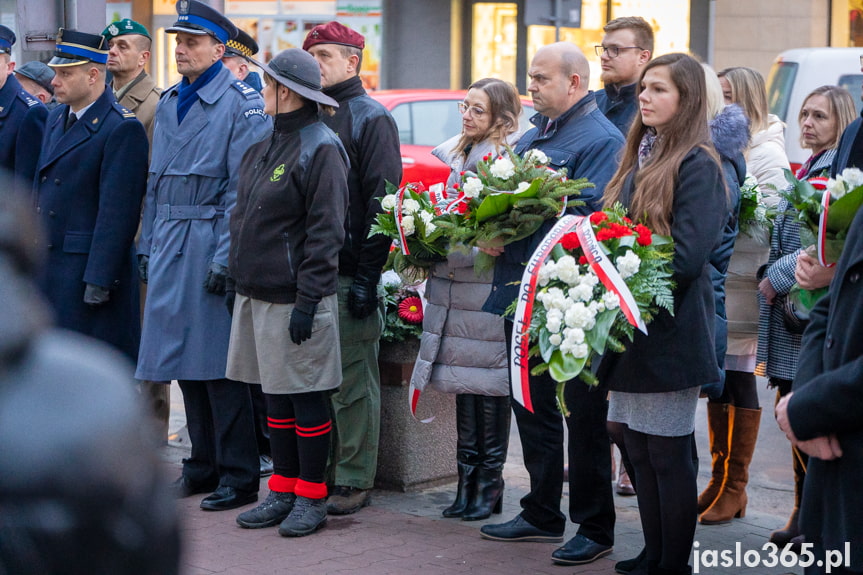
(28, 99)
(244, 89)
(124, 111)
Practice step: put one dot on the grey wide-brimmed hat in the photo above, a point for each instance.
(297, 70)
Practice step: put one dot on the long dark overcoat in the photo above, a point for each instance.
(828, 399)
(88, 189)
(22, 122)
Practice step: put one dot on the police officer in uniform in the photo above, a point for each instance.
(204, 125)
(22, 117)
(90, 178)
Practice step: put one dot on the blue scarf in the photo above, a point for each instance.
(187, 94)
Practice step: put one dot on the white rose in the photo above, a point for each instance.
(853, 177)
(410, 206)
(628, 264)
(472, 187)
(389, 202)
(408, 226)
(537, 157)
(503, 168)
(610, 300)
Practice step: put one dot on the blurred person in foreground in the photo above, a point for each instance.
(463, 349)
(81, 492)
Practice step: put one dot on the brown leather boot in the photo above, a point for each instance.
(717, 427)
(732, 499)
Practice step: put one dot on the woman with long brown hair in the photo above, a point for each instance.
(670, 178)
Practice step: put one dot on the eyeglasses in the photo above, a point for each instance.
(475, 111)
(613, 51)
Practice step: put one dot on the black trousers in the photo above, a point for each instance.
(221, 427)
(591, 502)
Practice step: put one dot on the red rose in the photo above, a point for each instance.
(411, 310)
(598, 217)
(570, 242)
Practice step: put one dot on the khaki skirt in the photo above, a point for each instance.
(261, 350)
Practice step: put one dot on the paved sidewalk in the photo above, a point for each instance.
(404, 532)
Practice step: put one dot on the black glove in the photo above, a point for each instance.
(144, 267)
(301, 325)
(95, 295)
(362, 298)
(217, 275)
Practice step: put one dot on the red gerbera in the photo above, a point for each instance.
(411, 309)
(570, 242)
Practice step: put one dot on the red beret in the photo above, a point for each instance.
(334, 33)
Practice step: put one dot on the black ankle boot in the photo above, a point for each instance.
(467, 452)
(494, 440)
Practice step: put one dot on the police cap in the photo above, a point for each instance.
(7, 39)
(197, 18)
(75, 48)
(243, 45)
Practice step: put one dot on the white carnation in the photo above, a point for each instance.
(389, 202)
(590, 278)
(610, 300)
(553, 320)
(580, 316)
(538, 157)
(567, 270)
(426, 217)
(430, 228)
(547, 272)
(503, 168)
(574, 334)
(408, 226)
(581, 292)
(555, 339)
(472, 187)
(577, 350)
(628, 264)
(410, 206)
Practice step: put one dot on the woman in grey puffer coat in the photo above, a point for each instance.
(463, 349)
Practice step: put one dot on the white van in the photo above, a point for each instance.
(795, 73)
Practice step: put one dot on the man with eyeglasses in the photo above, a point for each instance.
(571, 130)
(626, 48)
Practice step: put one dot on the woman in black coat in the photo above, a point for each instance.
(670, 177)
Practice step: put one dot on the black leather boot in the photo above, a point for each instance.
(494, 442)
(467, 452)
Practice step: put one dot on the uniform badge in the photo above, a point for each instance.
(183, 7)
(113, 30)
(278, 173)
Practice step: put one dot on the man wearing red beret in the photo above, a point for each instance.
(370, 137)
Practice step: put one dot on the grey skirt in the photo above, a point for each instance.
(669, 413)
(261, 350)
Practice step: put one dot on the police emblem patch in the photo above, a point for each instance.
(253, 112)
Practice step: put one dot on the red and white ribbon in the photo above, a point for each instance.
(821, 240)
(413, 399)
(602, 267)
(608, 274)
(520, 343)
(400, 196)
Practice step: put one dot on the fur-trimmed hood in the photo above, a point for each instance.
(730, 131)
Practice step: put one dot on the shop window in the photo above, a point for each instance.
(495, 26)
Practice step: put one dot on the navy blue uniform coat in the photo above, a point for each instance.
(22, 122)
(88, 189)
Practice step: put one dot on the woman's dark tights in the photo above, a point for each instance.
(740, 390)
(665, 481)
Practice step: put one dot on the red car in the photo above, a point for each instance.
(426, 118)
